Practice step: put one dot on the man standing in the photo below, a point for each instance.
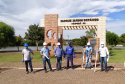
(27, 58)
(103, 52)
(88, 51)
(58, 52)
(70, 54)
(45, 52)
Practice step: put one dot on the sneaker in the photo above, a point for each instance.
(27, 72)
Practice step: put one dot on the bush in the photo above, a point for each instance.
(110, 52)
(124, 45)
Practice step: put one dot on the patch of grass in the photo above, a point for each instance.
(18, 57)
(118, 56)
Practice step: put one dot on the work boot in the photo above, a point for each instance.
(67, 68)
(27, 72)
(101, 70)
(106, 71)
(46, 71)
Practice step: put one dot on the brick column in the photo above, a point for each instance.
(51, 23)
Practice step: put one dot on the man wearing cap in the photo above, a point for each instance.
(88, 51)
(45, 52)
(103, 52)
(58, 52)
(27, 58)
(70, 54)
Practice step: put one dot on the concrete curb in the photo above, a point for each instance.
(64, 69)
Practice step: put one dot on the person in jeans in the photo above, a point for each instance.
(103, 52)
(58, 52)
(70, 54)
(88, 51)
(45, 52)
(27, 58)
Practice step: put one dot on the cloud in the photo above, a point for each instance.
(22, 13)
(117, 27)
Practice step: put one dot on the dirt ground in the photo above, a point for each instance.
(11, 73)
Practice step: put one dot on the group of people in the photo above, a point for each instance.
(69, 54)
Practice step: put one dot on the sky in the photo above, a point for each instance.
(22, 13)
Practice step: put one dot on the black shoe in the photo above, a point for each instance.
(27, 72)
(89, 67)
(67, 68)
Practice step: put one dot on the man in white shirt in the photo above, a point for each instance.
(103, 52)
(27, 58)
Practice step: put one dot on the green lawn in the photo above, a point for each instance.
(117, 56)
(18, 58)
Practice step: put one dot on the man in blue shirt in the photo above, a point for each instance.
(45, 52)
(58, 52)
(88, 51)
(70, 54)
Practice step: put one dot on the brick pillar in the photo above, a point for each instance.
(51, 23)
(60, 31)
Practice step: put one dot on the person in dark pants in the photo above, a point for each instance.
(70, 54)
(27, 58)
(58, 52)
(45, 52)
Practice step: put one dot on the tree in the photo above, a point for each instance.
(90, 33)
(35, 34)
(112, 38)
(122, 38)
(18, 41)
(6, 35)
(84, 40)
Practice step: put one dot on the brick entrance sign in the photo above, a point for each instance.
(56, 25)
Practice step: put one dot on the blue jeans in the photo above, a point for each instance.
(88, 59)
(59, 62)
(105, 62)
(44, 63)
(30, 64)
(70, 57)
